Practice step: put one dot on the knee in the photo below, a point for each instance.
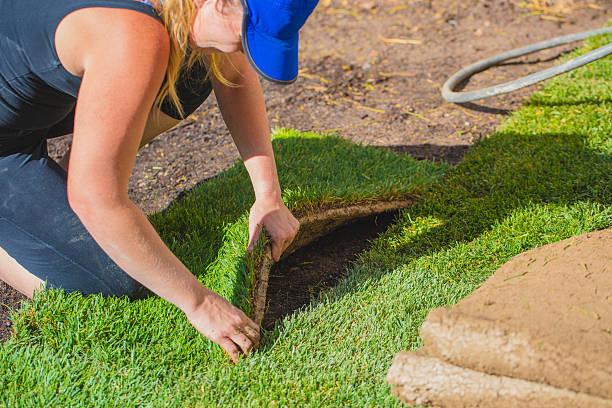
(157, 123)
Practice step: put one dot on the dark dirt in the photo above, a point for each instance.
(371, 71)
(9, 300)
(299, 278)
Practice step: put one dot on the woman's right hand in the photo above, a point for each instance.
(225, 324)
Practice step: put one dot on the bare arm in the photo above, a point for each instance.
(244, 111)
(157, 123)
(113, 105)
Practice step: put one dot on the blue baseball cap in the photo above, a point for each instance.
(270, 34)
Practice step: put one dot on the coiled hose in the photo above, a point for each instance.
(459, 77)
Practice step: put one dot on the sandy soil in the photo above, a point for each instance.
(371, 71)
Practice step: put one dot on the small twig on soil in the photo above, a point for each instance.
(317, 88)
(416, 115)
(304, 73)
(395, 9)
(403, 74)
(348, 12)
(401, 41)
(361, 106)
(555, 10)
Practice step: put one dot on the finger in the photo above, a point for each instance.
(253, 334)
(251, 324)
(278, 249)
(297, 227)
(286, 244)
(290, 236)
(254, 231)
(249, 327)
(230, 348)
(275, 249)
(245, 343)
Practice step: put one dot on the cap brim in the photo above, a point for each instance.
(274, 59)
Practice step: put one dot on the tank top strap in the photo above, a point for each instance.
(147, 2)
(64, 80)
(143, 6)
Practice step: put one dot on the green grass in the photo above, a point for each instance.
(208, 229)
(545, 175)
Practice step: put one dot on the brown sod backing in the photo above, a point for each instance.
(313, 226)
(545, 317)
(425, 380)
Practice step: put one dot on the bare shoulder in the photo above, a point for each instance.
(97, 32)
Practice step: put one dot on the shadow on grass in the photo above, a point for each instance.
(432, 152)
(580, 101)
(504, 173)
(497, 176)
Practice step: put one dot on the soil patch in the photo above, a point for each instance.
(299, 278)
(10, 299)
(313, 226)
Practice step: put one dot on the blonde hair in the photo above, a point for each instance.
(178, 17)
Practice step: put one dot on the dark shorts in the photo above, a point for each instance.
(42, 233)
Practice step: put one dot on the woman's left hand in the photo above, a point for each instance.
(270, 212)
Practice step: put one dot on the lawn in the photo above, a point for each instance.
(545, 175)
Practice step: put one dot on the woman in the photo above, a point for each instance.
(137, 67)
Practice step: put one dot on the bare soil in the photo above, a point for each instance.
(371, 71)
(303, 275)
(9, 300)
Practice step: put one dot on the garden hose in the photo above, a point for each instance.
(459, 77)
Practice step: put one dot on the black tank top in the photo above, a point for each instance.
(36, 91)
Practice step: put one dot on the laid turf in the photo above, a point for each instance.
(208, 229)
(544, 176)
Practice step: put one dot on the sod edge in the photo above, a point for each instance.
(314, 225)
